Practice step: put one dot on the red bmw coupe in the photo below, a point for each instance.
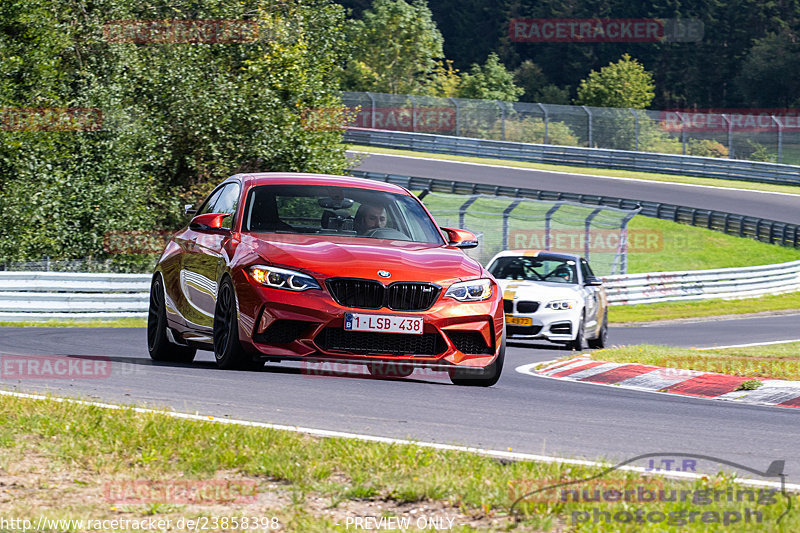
(278, 266)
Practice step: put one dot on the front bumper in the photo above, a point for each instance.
(551, 325)
(309, 325)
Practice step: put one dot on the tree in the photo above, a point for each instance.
(622, 84)
(490, 81)
(767, 77)
(176, 117)
(396, 48)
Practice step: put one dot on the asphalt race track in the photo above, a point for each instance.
(775, 206)
(524, 413)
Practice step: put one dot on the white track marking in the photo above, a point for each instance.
(619, 178)
(747, 345)
(516, 456)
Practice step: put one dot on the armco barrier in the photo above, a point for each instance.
(727, 283)
(54, 295)
(707, 167)
(761, 229)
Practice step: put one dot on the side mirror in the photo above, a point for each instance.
(593, 282)
(208, 221)
(188, 209)
(460, 238)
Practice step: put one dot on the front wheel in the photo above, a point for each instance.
(576, 344)
(481, 377)
(602, 337)
(158, 344)
(228, 350)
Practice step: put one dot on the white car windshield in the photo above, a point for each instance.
(541, 268)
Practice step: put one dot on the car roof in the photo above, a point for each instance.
(536, 253)
(299, 178)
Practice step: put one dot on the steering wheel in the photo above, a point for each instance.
(387, 233)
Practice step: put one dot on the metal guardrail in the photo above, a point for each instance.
(54, 295)
(761, 229)
(703, 284)
(707, 167)
(64, 295)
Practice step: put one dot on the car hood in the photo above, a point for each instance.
(538, 291)
(333, 256)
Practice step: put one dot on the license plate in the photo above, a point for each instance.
(519, 320)
(383, 323)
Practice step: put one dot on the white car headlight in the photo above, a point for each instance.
(561, 305)
(470, 291)
(282, 278)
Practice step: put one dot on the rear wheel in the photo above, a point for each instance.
(481, 377)
(602, 337)
(228, 350)
(158, 344)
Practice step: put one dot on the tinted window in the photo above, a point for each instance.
(344, 211)
(227, 202)
(208, 205)
(541, 268)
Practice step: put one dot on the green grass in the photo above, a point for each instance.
(790, 189)
(778, 361)
(76, 450)
(706, 308)
(683, 247)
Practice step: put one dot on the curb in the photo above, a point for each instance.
(773, 392)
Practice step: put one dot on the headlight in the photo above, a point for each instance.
(561, 305)
(470, 291)
(281, 278)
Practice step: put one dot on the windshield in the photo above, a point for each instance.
(550, 269)
(344, 211)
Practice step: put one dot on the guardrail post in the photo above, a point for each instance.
(462, 211)
(586, 233)
(589, 113)
(372, 110)
(547, 218)
(502, 117)
(414, 113)
(683, 131)
(780, 137)
(458, 116)
(506, 215)
(728, 121)
(546, 123)
(635, 129)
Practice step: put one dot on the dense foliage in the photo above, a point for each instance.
(177, 117)
(746, 58)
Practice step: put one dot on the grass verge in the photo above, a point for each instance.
(778, 361)
(704, 308)
(669, 178)
(68, 461)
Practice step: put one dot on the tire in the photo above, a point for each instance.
(481, 377)
(576, 344)
(158, 344)
(602, 337)
(228, 350)
(390, 369)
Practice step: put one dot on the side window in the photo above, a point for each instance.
(227, 202)
(585, 270)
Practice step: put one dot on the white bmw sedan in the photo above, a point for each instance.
(552, 296)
